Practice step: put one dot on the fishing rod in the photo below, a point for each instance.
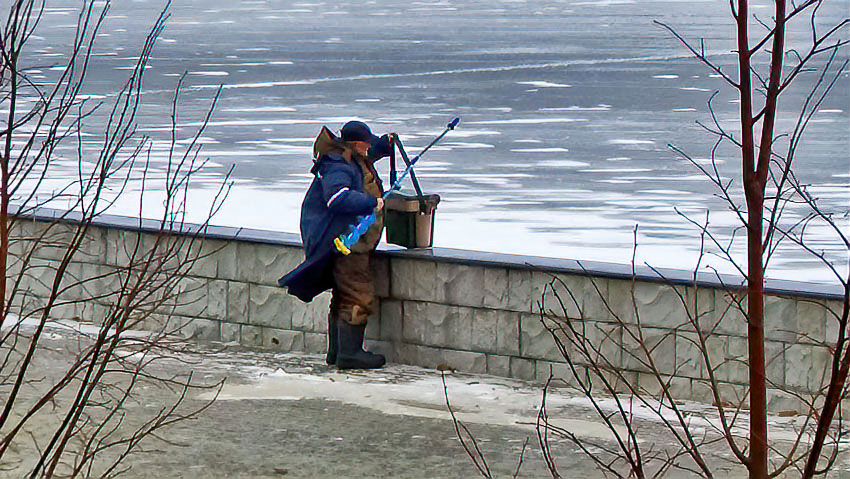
(344, 241)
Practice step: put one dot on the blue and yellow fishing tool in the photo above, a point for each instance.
(344, 242)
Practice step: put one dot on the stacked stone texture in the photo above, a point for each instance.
(448, 313)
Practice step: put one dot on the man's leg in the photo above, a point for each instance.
(354, 294)
(333, 345)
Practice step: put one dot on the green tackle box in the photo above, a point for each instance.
(409, 219)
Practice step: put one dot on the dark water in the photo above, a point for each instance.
(567, 107)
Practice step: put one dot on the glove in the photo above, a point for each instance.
(380, 149)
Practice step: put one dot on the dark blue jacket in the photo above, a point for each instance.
(334, 201)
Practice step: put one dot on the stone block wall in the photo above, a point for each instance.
(486, 318)
(470, 311)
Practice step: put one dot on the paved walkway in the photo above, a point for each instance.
(290, 415)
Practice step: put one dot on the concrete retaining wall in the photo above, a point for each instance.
(470, 311)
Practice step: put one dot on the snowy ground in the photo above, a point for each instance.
(291, 415)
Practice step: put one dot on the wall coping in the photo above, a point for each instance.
(457, 256)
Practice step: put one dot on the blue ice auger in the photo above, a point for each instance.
(344, 242)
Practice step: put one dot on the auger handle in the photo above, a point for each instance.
(344, 243)
(340, 246)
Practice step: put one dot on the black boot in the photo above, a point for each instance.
(351, 354)
(333, 347)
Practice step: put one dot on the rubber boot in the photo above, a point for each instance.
(333, 347)
(351, 354)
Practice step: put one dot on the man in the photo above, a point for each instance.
(345, 187)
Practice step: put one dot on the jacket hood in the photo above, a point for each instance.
(327, 143)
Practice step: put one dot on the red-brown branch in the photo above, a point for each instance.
(837, 383)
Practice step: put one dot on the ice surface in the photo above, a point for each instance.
(286, 71)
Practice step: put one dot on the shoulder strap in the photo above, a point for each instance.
(393, 173)
(412, 173)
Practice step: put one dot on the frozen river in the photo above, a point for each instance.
(567, 111)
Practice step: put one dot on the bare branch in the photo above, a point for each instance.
(698, 54)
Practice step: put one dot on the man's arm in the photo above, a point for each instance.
(340, 197)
